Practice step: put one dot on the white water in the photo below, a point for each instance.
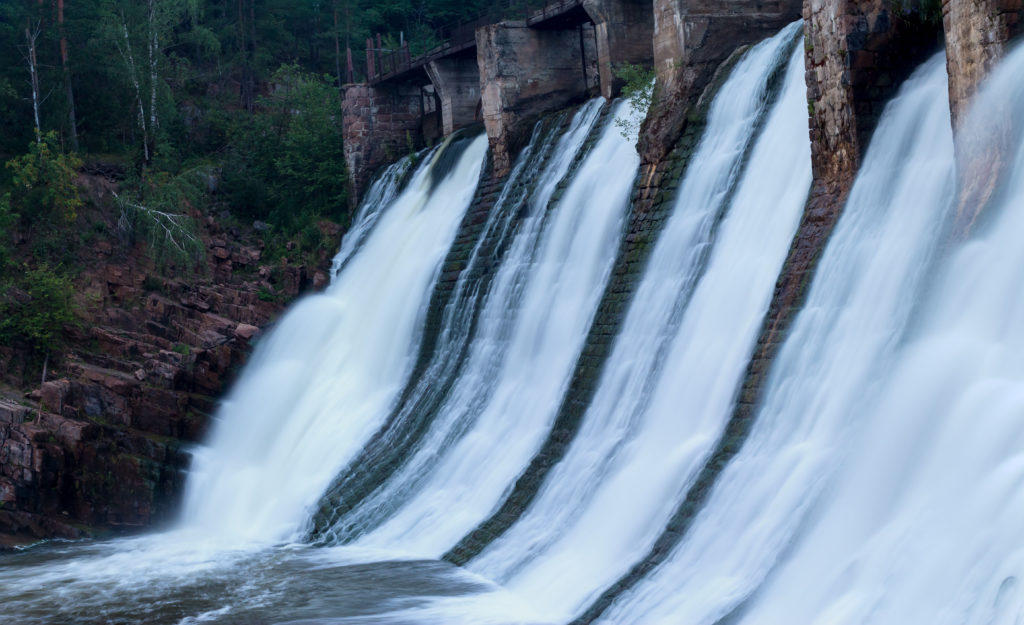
(651, 321)
(379, 196)
(609, 530)
(841, 342)
(921, 522)
(564, 280)
(883, 482)
(691, 400)
(321, 383)
(480, 376)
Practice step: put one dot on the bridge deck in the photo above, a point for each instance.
(397, 64)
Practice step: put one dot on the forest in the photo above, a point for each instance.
(232, 105)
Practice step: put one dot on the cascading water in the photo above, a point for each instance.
(882, 481)
(324, 379)
(478, 374)
(857, 308)
(379, 196)
(541, 536)
(499, 412)
(921, 521)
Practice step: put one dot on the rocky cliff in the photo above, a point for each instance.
(102, 444)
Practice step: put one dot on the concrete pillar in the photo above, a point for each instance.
(624, 32)
(525, 72)
(457, 83)
(380, 124)
(691, 39)
(978, 33)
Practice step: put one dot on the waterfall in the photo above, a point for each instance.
(920, 520)
(855, 313)
(544, 536)
(543, 300)
(382, 421)
(379, 196)
(490, 329)
(322, 381)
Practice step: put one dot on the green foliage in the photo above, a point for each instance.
(45, 181)
(152, 283)
(267, 295)
(926, 11)
(36, 306)
(286, 163)
(155, 208)
(7, 221)
(638, 89)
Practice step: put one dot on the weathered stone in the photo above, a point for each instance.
(525, 72)
(245, 331)
(978, 33)
(392, 112)
(53, 393)
(691, 39)
(456, 81)
(624, 32)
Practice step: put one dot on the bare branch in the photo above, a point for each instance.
(171, 225)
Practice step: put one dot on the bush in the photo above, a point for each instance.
(45, 179)
(286, 164)
(639, 90)
(36, 308)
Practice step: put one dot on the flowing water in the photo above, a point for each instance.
(450, 415)
(344, 352)
(572, 542)
(920, 521)
(557, 270)
(839, 346)
(882, 481)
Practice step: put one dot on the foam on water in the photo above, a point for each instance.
(856, 311)
(321, 383)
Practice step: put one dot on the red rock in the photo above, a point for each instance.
(52, 394)
(245, 331)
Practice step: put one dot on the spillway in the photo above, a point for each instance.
(383, 421)
(277, 441)
(557, 271)
(841, 343)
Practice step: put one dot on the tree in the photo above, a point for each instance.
(31, 57)
(68, 89)
(45, 180)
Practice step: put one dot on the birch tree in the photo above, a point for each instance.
(31, 56)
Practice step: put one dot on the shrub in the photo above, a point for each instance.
(45, 179)
(37, 307)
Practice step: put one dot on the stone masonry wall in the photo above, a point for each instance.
(978, 32)
(691, 39)
(525, 72)
(379, 125)
(624, 31)
(457, 82)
